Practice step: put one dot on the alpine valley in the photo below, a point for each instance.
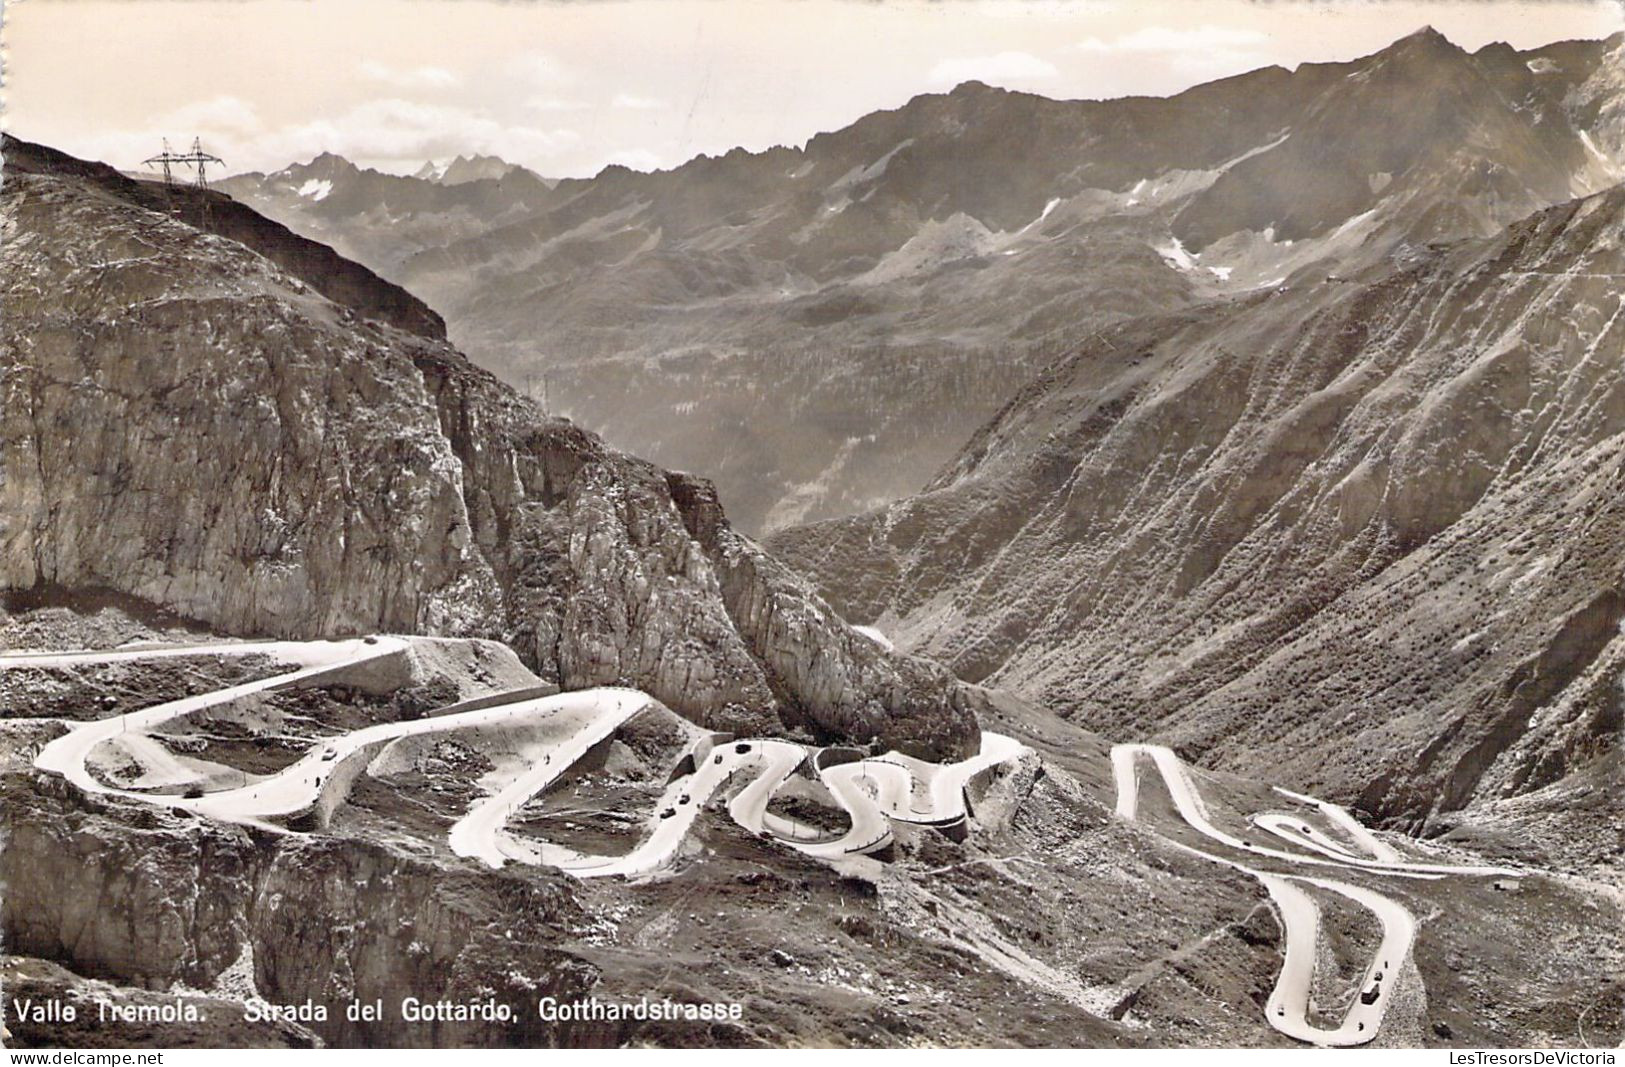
(1141, 572)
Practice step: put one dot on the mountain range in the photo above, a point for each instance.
(817, 328)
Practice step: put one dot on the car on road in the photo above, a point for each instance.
(718, 760)
(668, 813)
(329, 754)
(742, 748)
(683, 799)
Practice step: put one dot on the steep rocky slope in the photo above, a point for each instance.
(1369, 535)
(185, 421)
(816, 327)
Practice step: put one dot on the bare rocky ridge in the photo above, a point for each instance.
(187, 422)
(1368, 536)
(816, 328)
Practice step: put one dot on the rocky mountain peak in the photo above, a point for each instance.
(473, 168)
(327, 165)
(975, 87)
(1425, 37)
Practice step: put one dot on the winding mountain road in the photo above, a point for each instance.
(67, 754)
(873, 792)
(1288, 1006)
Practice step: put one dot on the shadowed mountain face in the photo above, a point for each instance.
(1368, 536)
(187, 419)
(817, 328)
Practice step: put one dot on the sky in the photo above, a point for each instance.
(567, 87)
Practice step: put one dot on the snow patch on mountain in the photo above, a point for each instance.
(1175, 253)
(1042, 215)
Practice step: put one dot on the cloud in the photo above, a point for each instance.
(221, 123)
(219, 113)
(633, 102)
(416, 78)
(1001, 68)
(1166, 39)
(396, 133)
(1194, 52)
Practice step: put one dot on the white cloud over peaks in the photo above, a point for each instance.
(1166, 39)
(1194, 50)
(1001, 68)
(219, 113)
(395, 133)
(415, 78)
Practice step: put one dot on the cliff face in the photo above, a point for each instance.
(298, 917)
(188, 422)
(1367, 535)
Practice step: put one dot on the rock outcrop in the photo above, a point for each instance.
(1367, 536)
(188, 422)
(303, 918)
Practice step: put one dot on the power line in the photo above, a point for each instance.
(196, 159)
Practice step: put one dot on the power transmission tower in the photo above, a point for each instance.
(198, 160)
